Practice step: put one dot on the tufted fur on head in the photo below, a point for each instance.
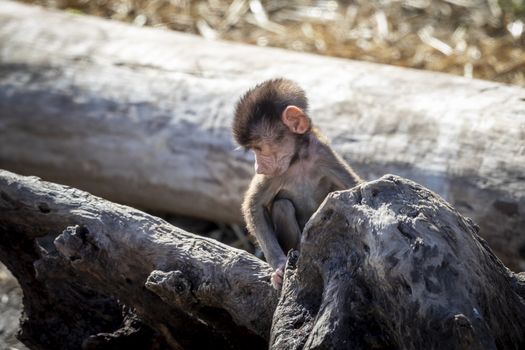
(261, 108)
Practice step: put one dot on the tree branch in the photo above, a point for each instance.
(204, 292)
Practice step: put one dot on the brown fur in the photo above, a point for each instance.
(276, 207)
(264, 104)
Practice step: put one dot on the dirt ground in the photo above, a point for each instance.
(10, 308)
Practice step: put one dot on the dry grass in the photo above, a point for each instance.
(475, 38)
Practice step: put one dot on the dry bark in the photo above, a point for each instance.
(75, 255)
(391, 265)
(141, 116)
(387, 264)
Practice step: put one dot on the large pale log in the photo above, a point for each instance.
(387, 264)
(141, 116)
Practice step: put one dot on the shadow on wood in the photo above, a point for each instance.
(387, 264)
(75, 255)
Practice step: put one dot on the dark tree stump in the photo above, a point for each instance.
(389, 264)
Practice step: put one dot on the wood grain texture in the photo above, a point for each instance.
(76, 254)
(387, 264)
(141, 116)
(390, 265)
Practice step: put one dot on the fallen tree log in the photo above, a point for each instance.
(387, 264)
(141, 116)
(200, 292)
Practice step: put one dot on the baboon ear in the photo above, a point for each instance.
(296, 120)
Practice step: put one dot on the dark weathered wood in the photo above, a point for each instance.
(390, 265)
(75, 254)
(387, 264)
(141, 116)
(132, 334)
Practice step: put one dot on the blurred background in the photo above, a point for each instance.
(474, 38)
